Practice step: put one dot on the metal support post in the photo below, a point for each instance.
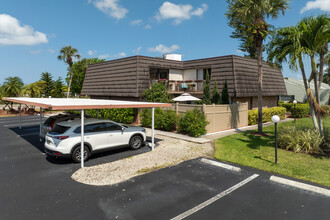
(20, 117)
(82, 139)
(276, 143)
(40, 122)
(153, 129)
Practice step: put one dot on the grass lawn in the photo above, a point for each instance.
(259, 152)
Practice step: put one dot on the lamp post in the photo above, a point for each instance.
(294, 107)
(275, 119)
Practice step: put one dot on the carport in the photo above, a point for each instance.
(82, 104)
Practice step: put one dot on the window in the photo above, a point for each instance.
(204, 73)
(113, 127)
(98, 127)
(58, 129)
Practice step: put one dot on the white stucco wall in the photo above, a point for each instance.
(189, 74)
(175, 74)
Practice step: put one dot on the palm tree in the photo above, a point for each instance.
(12, 87)
(35, 89)
(315, 38)
(286, 46)
(66, 54)
(253, 14)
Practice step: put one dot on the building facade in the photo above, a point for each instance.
(127, 78)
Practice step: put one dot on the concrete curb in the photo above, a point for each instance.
(299, 185)
(219, 164)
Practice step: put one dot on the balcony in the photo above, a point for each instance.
(182, 86)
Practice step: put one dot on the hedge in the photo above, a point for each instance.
(267, 114)
(164, 119)
(192, 122)
(302, 110)
(121, 115)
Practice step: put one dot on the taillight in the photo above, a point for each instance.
(61, 137)
(52, 125)
(58, 154)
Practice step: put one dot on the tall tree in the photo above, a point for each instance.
(206, 90)
(315, 38)
(216, 99)
(58, 88)
(225, 94)
(47, 78)
(34, 90)
(79, 72)
(286, 46)
(66, 54)
(12, 86)
(252, 14)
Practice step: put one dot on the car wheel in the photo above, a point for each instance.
(136, 142)
(76, 154)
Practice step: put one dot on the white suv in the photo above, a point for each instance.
(65, 138)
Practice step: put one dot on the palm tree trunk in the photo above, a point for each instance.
(314, 73)
(259, 62)
(322, 53)
(311, 109)
(71, 75)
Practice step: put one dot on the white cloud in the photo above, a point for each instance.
(91, 52)
(323, 5)
(108, 56)
(34, 52)
(178, 12)
(163, 49)
(137, 50)
(110, 7)
(51, 51)
(239, 51)
(148, 26)
(13, 33)
(136, 22)
(105, 56)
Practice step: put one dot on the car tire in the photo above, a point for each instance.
(76, 155)
(135, 142)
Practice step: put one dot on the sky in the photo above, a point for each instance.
(33, 32)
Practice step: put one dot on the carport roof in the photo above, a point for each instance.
(74, 104)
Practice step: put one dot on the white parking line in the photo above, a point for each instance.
(10, 121)
(215, 198)
(23, 135)
(219, 164)
(299, 185)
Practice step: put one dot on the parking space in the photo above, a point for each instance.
(37, 187)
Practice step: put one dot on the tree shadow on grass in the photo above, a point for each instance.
(254, 141)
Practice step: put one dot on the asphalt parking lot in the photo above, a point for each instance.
(34, 186)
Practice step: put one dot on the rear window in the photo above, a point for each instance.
(49, 121)
(58, 129)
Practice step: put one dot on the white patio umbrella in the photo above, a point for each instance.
(185, 97)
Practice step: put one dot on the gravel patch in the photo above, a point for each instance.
(168, 152)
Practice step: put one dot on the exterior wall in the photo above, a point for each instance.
(175, 74)
(221, 117)
(267, 101)
(116, 78)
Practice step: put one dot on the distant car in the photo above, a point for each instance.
(99, 135)
(50, 122)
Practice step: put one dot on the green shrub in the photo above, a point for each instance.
(267, 114)
(164, 119)
(300, 140)
(280, 102)
(121, 115)
(302, 110)
(193, 123)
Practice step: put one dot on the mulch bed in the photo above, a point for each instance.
(14, 112)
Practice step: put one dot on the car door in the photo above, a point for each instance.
(96, 135)
(116, 134)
